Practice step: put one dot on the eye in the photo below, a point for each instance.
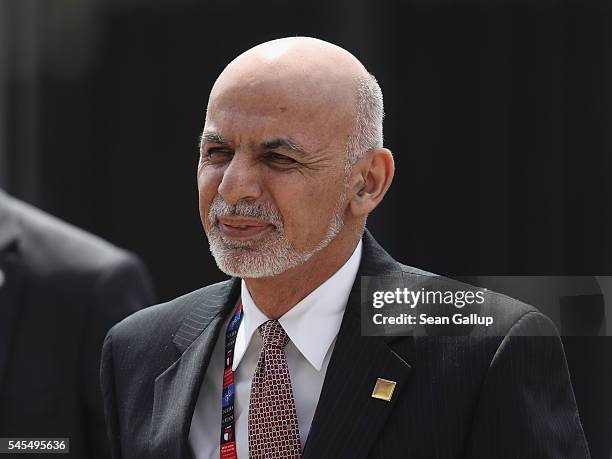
(217, 155)
(278, 158)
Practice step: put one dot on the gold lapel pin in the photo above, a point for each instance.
(383, 389)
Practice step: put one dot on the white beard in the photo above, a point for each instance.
(266, 257)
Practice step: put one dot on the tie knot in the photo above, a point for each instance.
(273, 335)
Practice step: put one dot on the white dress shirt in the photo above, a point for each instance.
(312, 326)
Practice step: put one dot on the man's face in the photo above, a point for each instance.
(271, 175)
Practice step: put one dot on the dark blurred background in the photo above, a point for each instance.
(499, 114)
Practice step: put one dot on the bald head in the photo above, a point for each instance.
(313, 76)
(299, 59)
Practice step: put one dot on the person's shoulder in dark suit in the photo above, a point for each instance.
(62, 289)
(500, 390)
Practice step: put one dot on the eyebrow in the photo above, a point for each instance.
(279, 142)
(212, 137)
(283, 142)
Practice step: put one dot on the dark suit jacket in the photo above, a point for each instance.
(61, 292)
(504, 396)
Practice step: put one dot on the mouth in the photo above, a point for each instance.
(243, 228)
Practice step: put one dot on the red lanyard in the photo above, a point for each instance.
(228, 431)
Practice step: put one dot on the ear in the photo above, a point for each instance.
(371, 178)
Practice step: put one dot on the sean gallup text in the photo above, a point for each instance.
(426, 319)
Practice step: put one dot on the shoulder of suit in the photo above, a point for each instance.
(161, 322)
(45, 240)
(509, 311)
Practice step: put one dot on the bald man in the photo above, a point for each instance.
(272, 363)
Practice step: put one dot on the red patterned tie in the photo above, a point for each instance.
(273, 424)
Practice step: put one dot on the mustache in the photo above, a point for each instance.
(262, 211)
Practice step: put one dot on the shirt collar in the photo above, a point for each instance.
(313, 323)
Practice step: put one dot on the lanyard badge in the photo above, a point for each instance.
(228, 432)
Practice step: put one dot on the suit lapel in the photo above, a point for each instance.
(347, 419)
(177, 388)
(11, 281)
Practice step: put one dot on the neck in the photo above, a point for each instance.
(274, 296)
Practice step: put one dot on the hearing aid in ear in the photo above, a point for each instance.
(362, 188)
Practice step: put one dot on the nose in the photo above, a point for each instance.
(240, 180)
